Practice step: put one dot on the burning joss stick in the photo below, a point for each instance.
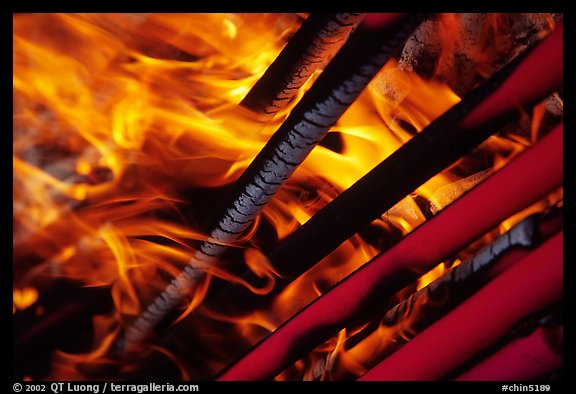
(367, 50)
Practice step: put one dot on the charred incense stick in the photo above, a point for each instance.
(444, 141)
(319, 37)
(367, 50)
(536, 172)
(522, 359)
(537, 284)
(480, 114)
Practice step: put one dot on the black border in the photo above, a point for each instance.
(298, 6)
(569, 200)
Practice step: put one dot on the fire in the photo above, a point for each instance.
(127, 130)
(429, 276)
(24, 298)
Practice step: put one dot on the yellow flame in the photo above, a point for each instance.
(431, 275)
(23, 298)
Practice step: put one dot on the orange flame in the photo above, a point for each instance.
(24, 298)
